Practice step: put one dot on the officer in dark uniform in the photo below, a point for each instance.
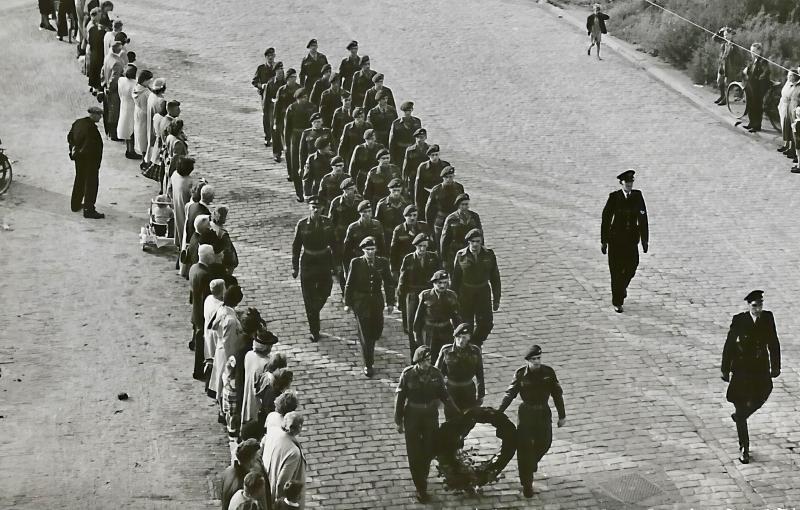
(437, 313)
(404, 234)
(416, 414)
(381, 117)
(442, 201)
(376, 185)
(535, 383)
(340, 119)
(753, 353)
(298, 119)
(319, 259)
(329, 100)
(350, 65)
(414, 276)
(415, 155)
(365, 157)
(371, 99)
(311, 66)
(401, 135)
(353, 135)
(455, 227)
(322, 84)
(429, 174)
(343, 212)
(310, 136)
(476, 280)
(462, 365)
(359, 230)
(317, 166)
(368, 279)
(283, 99)
(269, 97)
(624, 225)
(264, 73)
(331, 185)
(362, 81)
(389, 210)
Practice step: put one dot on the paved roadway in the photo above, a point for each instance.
(537, 131)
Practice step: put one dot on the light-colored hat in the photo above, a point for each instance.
(159, 84)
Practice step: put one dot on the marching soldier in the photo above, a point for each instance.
(350, 65)
(437, 313)
(624, 225)
(428, 175)
(476, 280)
(317, 166)
(343, 212)
(415, 276)
(283, 99)
(416, 414)
(264, 73)
(415, 155)
(341, 117)
(309, 137)
(368, 280)
(311, 66)
(360, 229)
(329, 100)
(442, 201)
(376, 184)
(535, 383)
(389, 210)
(371, 100)
(298, 119)
(462, 365)
(314, 235)
(322, 84)
(401, 134)
(753, 353)
(269, 97)
(403, 236)
(381, 117)
(456, 226)
(361, 82)
(353, 135)
(365, 157)
(330, 187)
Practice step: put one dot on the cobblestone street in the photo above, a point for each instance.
(537, 132)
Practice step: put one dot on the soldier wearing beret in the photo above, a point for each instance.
(371, 99)
(415, 155)
(361, 82)
(264, 73)
(381, 117)
(456, 226)
(416, 271)
(311, 66)
(314, 236)
(461, 363)
(476, 280)
(350, 65)
(365, 157)
(343, 212)
(404, 235)
(389, 210)
(329, 100)
(368, 280)
(330, 186)
(283, 99)
(624, 225)
(416, 414)
(437, 313)
(429, 174)
(269, 97)
(359, 230)
(86, 150)
(353, 135)
(310, 136)
(341, 117)
(752, 353)
(535, 383)
(401, 134)
(322, 84)
(376, 185)
(317, 166)
(298, 119)
(442, 201)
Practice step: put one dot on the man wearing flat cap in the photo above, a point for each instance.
(624, 225)
(330, 186)
(404, 234)
(442, 201)
(322, 84)
(311, 66)
(437, 313)
(476, 280)
(429, 174)
(381, 117)
(353, 135)
(341, 117)
(264, 73)
(314, 237)
(370, 98)
(401, 134)
(414, 156)
(364, 159)
(330, 99)
(368, 280)
(416, 414)
(359, 230)
(298, 119)
(376, 185)
(389, 210)
(752, 353)
(535, 383)
(455, 228)
(361, 82)
(268, 98)
(461, 363)
(350, 65)
(317, 166)
(310, 136)
(86, 150)
(415, 275)
(283, 99)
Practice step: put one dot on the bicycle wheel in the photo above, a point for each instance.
(737, 103)
(5, 174)
(771, 111)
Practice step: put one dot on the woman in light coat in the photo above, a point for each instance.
(181, 185)
(153, 101)
(785, 111)
(141, 94)
(125, 88)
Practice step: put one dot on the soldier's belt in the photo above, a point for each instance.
(441, 324)
(475, 285)
(535, 406)
(422, 405)
(323, 251)
(451, 382)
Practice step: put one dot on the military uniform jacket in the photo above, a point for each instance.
(340, 118)
(401, 136)
(381, 121)
(358, 231)
(330, 188)
(436, 310)
(329, 101)
(752, 348)
(370, 102)
(347, 68)
(475, 271)
(365, 283)
(456, 227)
(402, 236)
(320, 86)
(343, 212)
(317, 166)
(364, 158)
(271, 93)
(415, 274)
(298, 118)
(352, 137)
(624, 219)
(462, 364)
(414, 157)
(441, 201)
(319, 250)
(535, 387)
(377, 184)
(283, 99)
(307, 140)
(264, 73)
(362, 81)
(311, 69)
(390, 213)
(428, 176)
(419, 387)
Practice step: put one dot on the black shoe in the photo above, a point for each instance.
(368, 372)
(795, 170)
(738, 122)
(76, 209)
(115, 139)
(191, 345)
(143, 166)
(93, 215)
(717, 100)
(221, 419)
(527, 491)
(722, 103)
(133, 155)
(46, 26)
(733, 416)
(199, 376)
(744, 456)
(314, 337)
(754, 130)
(289, 179)
(618, 309)
(300, 199)
(422, 497)
(746, 126)
(267, 143)
(277, 158)
(782, 149)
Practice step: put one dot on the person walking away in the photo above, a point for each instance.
(724, 63)
(86, 150)
(596, 26)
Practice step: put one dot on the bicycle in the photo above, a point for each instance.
(737, 101)
(5, 171)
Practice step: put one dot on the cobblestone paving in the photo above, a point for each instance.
(537, 131)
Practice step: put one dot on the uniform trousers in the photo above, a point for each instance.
(623, 259)
(438, 225)
(84, 188)
(278, 143)
(747, 393)
(420, 426)
(369, 316)
(266, 117)
(316, 283)
(475, 304)
(66, 11)
(534, 436)
(436, 337)
(409, 306)
(293, 164)
(464, 395)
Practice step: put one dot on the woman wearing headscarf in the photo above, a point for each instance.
(125, 87)
(181, 185)
(141, 93)
(231, 337)
(255, 363)
(224, 249)
(113, 67)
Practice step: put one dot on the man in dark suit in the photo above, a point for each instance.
(752, 353)
(757, 82)
(297, 120)
(361, 82)
(415, 155)
(86, 150)
(416, 272)
(623, 226)
(401, 134)
(442, 201)
(368, 279)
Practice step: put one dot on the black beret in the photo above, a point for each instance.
(433, 148)
(322, 141)
(365, 60)
(278, 65)
(347, 183)
(301, 92)
(460, 198)
(420, 132)
(337, 160)
(448, 170)
(410, 208)
(406, 105)
(377, 77)
(290, 72)
(463, 329)
(315, 116)
(439, 275)
(381, 153)
(326, 67)
(422, 352)
(395, 183)
(364, 205)
(269, 51)
(472, 234)
(313, 200)
(535, 350)
(367, 242)
(352, 44)
(312, 42)
(420, 238)
(381, 94)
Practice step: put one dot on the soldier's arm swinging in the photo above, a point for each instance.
(494, 278)
(644, 227)
(727, 352)
(605, 225)
(774, 348)
(296, 245)
(511, 393)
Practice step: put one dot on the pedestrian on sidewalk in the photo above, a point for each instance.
(796, 131)
(113, 68)
(283, 457)
(595, 27)
(67, 23)
(724, 63)
(200, 277)
(211, 306)
(752, 353)
(285, 403)
(757, 82)
(95, 33)
(86, 150)
(111, 36)
(156, 103)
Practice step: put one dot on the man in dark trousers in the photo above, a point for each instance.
(86, 150)
(757, 82)
(368, 279)
(437, 313)
(535, 383)
(343, 212)
(455, 226)
(415, 155)
(359, 230)
(401, 134)
(404, 235)
(724, 63)
(264, 73)
(442, 201)
(414, 276)
(361, 82)
(298, 119)
(462, 365)
(311, 66)
(752, 353)
(416, 414)
(624, 225)
(476, 280)
(427, 175)
(283, 99)
(350, 65)
(314, 236)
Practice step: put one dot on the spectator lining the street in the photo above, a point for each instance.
(224, 248)
(285, 403)
(230, 406)
(246, 460)
(181, 184)
(291, 496)
(125, 125)
(141, 93)
(786, 113)
(283, 457)
(253, 487)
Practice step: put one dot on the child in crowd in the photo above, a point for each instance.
(291, 496)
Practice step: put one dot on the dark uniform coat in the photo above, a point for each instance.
(476, 280)
(86, 150)
(389, 212)
(361, 83)
(340, 118)
(414, 277)
(381, 121)
(320, 86)
(436, 317)
(441, 203)
(429, 174)
(370, 102)
(752, 353)
(364, 293)
(268, 99)
(347, 68)
(311, 69)
(329, 101)
(454, 229)
(376, 185)
(401, 137)
(401, 241)
(460, 366)
(352, 137)
(283, 98)
(330, 188)
(415, 156)
(623, 226)
(357, 232)
(298, 119)
(307, 140)
(363, 160)
(319, 258)
(317, 166)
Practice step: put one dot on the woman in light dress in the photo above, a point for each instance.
(175, 148)
(786, 113)
(127, 106)
(141, 93)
